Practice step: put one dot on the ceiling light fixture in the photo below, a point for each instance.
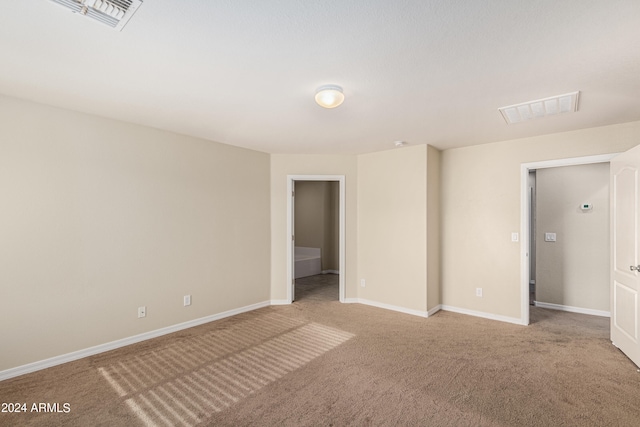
(400, 144)
(561, 104)
(329, 96)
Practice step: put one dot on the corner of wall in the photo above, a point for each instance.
(434, 283)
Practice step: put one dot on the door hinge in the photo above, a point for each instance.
(293, 238)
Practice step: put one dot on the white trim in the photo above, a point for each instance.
(280, 302)
(572, 309)
(434, 310)
(399, 309)
(484, 315)
(101, 348)
(404, 310)
(420, 313)
(330, 272)
(342, 231)
(524, 217)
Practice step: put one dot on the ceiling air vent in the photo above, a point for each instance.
(561, 104)
(114, 13)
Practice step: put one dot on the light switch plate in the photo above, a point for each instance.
(549, 237)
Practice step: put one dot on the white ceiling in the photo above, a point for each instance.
(244, 72)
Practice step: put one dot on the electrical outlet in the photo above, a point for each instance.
(142, 311)
(187, 300)
(363, 283)
(478, 292)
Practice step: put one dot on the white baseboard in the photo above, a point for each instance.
(571, 309)
(330, 272)
(280, 302)
(434, 310)
(69, 357)
(482, 314)
(405, 310)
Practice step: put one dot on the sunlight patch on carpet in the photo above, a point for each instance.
(185, 383)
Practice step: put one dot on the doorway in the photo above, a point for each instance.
(527, 221)
(291, 224)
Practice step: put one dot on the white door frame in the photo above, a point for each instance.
(290, 229)
(525, 221)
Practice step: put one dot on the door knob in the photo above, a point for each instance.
(635, 268)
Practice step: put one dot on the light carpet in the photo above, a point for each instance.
(318, 362)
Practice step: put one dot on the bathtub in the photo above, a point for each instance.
(308, 262)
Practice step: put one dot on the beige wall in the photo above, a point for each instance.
(392, 227)
(283, 165)
(99, 217)
(574, 270)
(480, 194)
(317, 219)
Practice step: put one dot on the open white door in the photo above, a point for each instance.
(625, 263)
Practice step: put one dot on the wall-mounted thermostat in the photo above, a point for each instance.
(586, 206)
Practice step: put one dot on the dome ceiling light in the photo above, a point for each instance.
(329, 96)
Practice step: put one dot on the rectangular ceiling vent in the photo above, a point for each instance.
(114, 13)
(561, 104)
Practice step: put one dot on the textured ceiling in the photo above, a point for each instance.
(244, 72)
